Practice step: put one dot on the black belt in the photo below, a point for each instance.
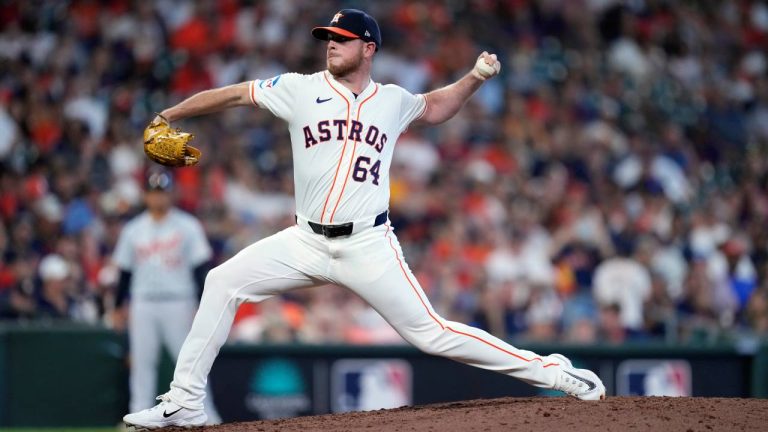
(344, 229)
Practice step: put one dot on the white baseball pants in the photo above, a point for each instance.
(371, 264)
(152, 325)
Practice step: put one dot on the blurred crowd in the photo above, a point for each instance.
(611, 185)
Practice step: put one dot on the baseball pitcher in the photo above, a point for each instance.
(343, 128)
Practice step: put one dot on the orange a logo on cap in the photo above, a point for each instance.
(336, 18)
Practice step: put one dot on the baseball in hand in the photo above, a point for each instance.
(486, 66)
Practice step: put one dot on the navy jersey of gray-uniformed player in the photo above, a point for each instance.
(343, 128)
(160, 253)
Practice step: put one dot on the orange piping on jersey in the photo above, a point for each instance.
(444, 327)
(338, 165)
(252, 92)
(352, 159)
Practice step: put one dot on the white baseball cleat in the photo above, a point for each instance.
(164, 414)
(579, 383)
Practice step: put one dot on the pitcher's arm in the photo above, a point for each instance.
(444, 103)
(209, 101)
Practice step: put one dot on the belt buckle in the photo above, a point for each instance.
(330, 231)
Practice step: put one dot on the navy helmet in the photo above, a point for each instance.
(351, 23)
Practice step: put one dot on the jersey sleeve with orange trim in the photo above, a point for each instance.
(412, 107)
(276, 94)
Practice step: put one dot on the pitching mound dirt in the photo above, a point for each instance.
(538, 414)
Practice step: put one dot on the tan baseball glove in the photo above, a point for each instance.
(167, 146)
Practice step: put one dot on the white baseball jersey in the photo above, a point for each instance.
(342, 143)
(162, 254)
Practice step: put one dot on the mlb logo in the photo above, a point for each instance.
(653, 378)
(270, 82)
(364, 385)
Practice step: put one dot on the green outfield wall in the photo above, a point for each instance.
(65, 375)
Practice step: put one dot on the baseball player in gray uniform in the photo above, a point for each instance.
(343, 128)
(160, 253)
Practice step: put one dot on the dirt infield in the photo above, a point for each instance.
(538, 414)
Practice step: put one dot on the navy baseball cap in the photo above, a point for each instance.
(159, 181)
(351, 23)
